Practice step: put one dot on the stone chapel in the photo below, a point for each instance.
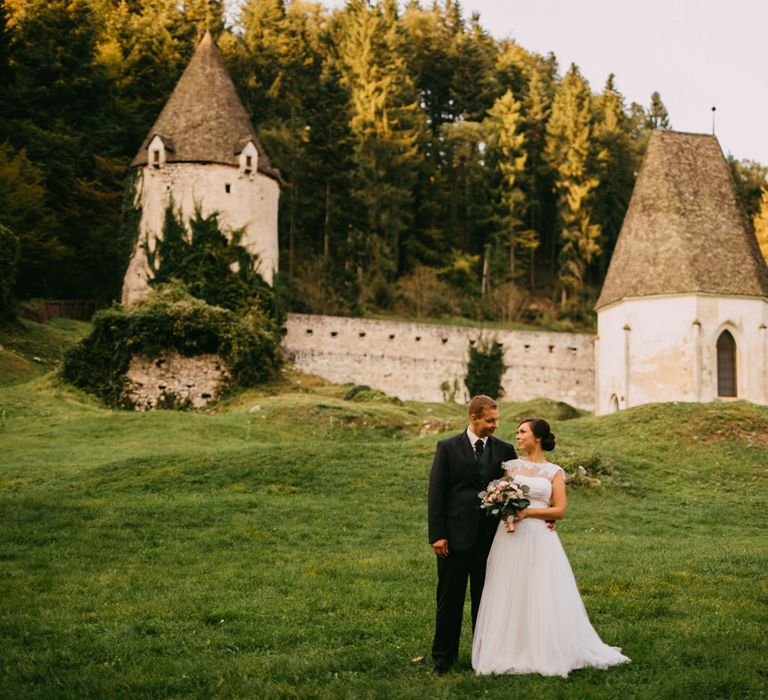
(683, 312)
(203, 152)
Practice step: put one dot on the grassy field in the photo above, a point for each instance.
(276, 547)
(29, 349)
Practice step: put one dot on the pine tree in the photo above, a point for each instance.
(506, 141)
(617, 162)
(658, 116)
(540, 202)
(63, 118)
(570, 151)
(760, 222)
(141, 45)
(9, 256)
(387, 127)
(454, 80)
(464, 195)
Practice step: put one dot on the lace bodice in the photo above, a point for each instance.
(537, 476)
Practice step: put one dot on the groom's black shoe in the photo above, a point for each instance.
(441, 669)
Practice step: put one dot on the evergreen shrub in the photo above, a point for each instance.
(362, 392)
(9, 258)
(485, 368)
(213, 266)
(170, 319)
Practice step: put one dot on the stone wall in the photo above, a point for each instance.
(174, 381)
(413, 360)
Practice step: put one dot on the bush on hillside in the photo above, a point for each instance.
(170, 319)
(9, 258)
(362, 392)
(485, 368)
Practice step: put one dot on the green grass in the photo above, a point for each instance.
(29, 349)
(281, 552)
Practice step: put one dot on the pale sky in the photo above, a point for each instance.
(695, 53)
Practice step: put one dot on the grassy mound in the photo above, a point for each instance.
(31, 349)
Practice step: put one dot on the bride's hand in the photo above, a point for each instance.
(521, 515)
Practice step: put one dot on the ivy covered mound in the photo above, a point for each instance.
(171, 320)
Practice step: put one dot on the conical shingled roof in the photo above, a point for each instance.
(685, 230)
(204, 120)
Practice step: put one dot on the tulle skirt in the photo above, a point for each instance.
(531, 617)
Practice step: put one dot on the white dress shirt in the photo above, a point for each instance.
(473, 439)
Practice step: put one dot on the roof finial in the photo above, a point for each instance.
(713, 120)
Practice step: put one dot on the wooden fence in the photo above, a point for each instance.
(45, 310)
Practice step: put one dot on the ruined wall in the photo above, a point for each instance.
(412, 360)
(173, 381)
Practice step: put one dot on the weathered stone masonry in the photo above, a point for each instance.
(412, 360)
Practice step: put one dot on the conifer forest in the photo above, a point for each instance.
(428, 169)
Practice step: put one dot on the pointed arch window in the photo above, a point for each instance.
(726, 365)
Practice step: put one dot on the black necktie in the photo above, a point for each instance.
(479, 447)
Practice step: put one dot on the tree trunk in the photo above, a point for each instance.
(512, 254)
(327, 221)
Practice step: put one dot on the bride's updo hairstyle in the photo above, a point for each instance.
(540, 429)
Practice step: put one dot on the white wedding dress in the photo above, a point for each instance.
(531, 617)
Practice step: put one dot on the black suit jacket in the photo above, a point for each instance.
(454, 508)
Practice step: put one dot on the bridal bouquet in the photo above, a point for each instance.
(504, 497)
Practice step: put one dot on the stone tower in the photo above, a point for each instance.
(203, 152)
(684, 309)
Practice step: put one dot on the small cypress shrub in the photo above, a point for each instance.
(9, 258)
(485, 368)
(170, 319)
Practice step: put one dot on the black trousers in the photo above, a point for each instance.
(453, 572)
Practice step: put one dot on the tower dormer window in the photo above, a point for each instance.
(248, 157)
(157, 151)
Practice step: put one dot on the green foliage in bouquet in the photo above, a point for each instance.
(170, 319)
(485, 368)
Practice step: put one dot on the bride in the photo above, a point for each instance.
(531, 617)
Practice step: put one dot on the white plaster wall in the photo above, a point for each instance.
(672, 349)
(251, 204)
(412, 360)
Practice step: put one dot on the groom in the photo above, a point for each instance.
(459, 532)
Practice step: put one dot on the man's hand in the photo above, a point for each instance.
(440, 547)
(551, 524)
